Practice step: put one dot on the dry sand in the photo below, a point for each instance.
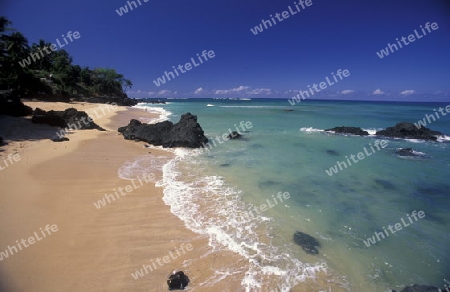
(93, 249)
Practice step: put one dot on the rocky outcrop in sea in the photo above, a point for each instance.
(407, 130)
(349, 130)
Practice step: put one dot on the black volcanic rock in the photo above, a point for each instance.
(10, 105)
(177, 281)
(60, 139)
(71, 118)
(349, 130)
(407, 130)
(405, 152)
(51, 118)
(186, 133)
(234, 135)
(420, 288)
(332, 152)
(307, 242)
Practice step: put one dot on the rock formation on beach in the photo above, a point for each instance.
(177, 281)
(307, 242)
(10, 105)
(407, 130)
(186, 133)
(70, 117)
(349, 130)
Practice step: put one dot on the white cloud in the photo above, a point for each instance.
(232, 90)
(407, 92)
(347, 91)
(240, 88)
(151, 93)
(244, 90)
(260, 91)
(378, 92)
(161, 92)
(199, 90)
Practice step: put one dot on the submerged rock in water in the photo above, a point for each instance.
(420, 288)
(177, 281)
(385, 184)
(268, 184)
(349, 130)
(257, 146)
(409, 131)
(307, 242)
(333, 152)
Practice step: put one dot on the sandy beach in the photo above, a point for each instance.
(93, 249)
(57, 183)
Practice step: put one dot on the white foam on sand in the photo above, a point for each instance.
(142, 165)
(209, 206)
(163, 114)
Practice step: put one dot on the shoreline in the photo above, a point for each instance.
(98, 249)
(57, 183)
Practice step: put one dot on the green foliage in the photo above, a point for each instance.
(50, 72)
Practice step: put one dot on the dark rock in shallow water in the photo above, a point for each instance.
(409, 131)
(333, 153)
(177, 281)
(420, 288)
(186, 133)
(349, 130)
(410, 152)
(257, 146)
(267, 184)
(307, 242)
(225, 165)
(405, 152)
(234, 135)
(385, 184)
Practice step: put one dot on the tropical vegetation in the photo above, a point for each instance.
(53, 73)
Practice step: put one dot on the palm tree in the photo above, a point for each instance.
(18, 50)
(4, 26)
(45, 60)
(128, 84)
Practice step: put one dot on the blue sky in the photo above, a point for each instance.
(299, 51)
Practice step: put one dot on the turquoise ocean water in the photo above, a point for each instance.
(287, 151)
